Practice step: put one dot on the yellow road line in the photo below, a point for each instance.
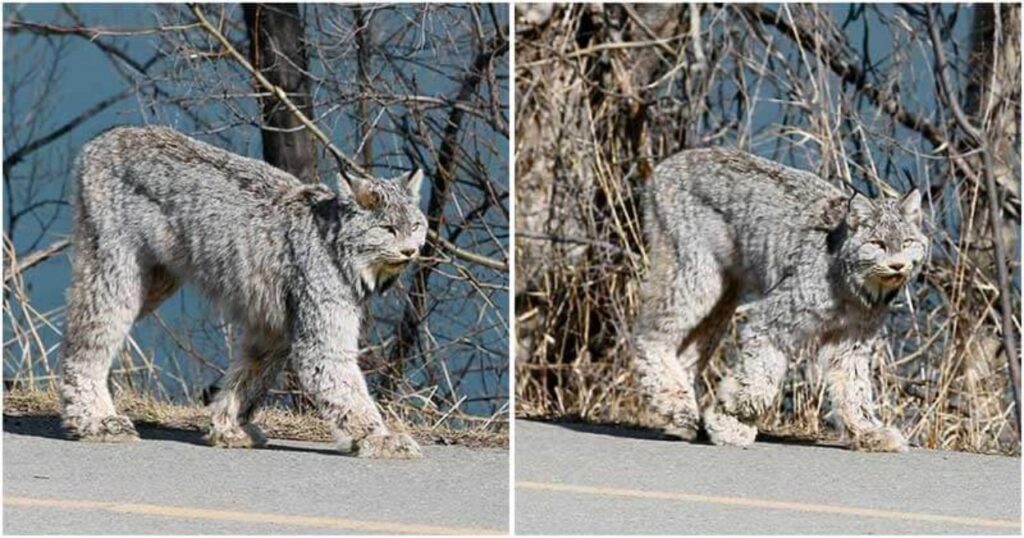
(768, 503)
(244, 517)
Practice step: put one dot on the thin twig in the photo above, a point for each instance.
(36, 257)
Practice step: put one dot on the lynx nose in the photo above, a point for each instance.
(409, 252)
(899, 267)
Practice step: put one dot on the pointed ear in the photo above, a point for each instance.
(859, 210)
(910, 205)
(359, 190)
(412, 183)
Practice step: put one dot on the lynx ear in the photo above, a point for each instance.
(910, 205)
(359, 190)
(344, 186)
(859, 210)
(412, 183)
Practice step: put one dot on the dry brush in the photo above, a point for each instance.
(875, 98)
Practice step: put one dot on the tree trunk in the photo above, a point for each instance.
(277, 47)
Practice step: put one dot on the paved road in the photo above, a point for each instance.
(169, 483)
(575, 479)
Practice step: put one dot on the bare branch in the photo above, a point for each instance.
(35, 258)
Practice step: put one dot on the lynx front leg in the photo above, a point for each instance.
(747, 391)
(852, 402)
(325, 361)
(246, 382)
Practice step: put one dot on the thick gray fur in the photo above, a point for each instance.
(813, 268)
(292, 263)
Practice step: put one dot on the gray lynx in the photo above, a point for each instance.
(291, 263)
(813, 268)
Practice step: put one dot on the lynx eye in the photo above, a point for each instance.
(390, 229)
(416, 226)
(878, 243)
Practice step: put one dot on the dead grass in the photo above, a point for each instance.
(277, 423)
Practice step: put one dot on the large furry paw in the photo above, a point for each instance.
(247, 436)
(111, 429)
(682, 421)
(387, 446)
(725, 429)
(683, 425)
(684, 433)
(880, 440)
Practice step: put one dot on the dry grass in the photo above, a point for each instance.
(276, 422)
(605, 92)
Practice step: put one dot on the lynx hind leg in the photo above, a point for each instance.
(746, 392)
(669, 339)
(666, 382)
(105, 297)
(246, 382)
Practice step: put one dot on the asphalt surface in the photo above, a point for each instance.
(171, 483)
(577, 479)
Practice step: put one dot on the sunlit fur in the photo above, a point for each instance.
(883, 247)
(810, 267)
(291, 263)
(373, 243)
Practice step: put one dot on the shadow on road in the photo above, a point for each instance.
(632, 432)
(48, 426)
(652, 434)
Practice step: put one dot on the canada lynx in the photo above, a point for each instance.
(292, 263)
(814, 268)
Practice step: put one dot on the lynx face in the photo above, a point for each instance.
(884, 247)
(376, 228)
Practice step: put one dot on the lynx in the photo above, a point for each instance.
(810, 268)
(291, 263)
